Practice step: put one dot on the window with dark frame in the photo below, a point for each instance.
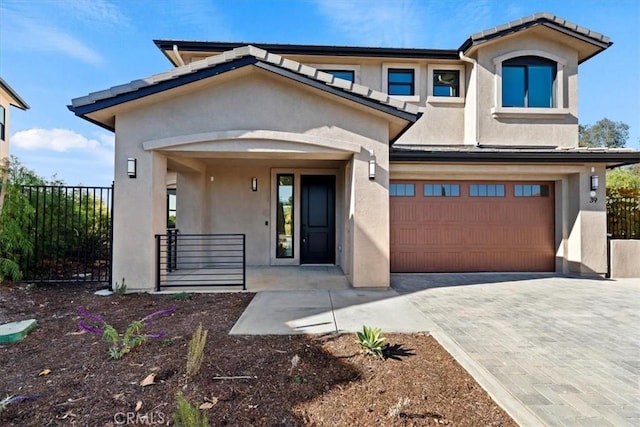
(529, 82)
(285, 216)
(2, 122)
(342, 74)
(401, 190)
(446, 83)
(400, 82)
(171, 208)
(530, 190)
(486, 190)
(441, 190)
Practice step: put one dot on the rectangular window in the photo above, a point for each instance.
(531, 190)
(285, 194)
(528, 82)
(401, 190)
(486, 190)
(171, 208)
(441, 190)
(342, 74)
(401, 82)
(446, 83)
(2, 122)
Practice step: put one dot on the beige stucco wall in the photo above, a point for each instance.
(4, 145)
(624, 258)
(252, 101)
(561, 130)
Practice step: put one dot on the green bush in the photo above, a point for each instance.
(188, 415)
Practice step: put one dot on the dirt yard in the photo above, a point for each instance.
(69, 379)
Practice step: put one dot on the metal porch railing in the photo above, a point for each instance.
(200, 260)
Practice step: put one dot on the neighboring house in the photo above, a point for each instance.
(376, 159)
(8, 98)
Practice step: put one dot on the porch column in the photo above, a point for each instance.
(370, 220)
(587, 222)
(139, 213)
(191, 202)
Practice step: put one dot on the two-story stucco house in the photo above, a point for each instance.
(8, 98)
(378, 160)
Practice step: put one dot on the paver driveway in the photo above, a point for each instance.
(567, 348)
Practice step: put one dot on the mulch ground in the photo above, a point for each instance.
(333, 384)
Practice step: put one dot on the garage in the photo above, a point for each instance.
(471, 226)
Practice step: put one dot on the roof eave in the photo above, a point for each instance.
(18, 101)
(312, 50)
(84, 110)
(610, 159)
(472, 42)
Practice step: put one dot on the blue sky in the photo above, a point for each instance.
(54, 50)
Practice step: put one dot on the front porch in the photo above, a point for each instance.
(260, 278)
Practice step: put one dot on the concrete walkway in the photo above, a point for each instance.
(329, 311)
(550, 350)
(568, 349)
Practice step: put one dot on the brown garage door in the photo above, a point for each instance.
(459, 226)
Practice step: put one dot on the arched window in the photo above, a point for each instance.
(529, 82)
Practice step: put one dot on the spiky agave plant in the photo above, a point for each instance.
(371, 341)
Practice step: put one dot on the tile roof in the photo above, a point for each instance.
(524, 154)
(543, 18)
(93, 101)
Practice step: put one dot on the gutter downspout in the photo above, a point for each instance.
(177, 54)
(475, 69)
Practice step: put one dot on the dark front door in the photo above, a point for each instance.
(317, 245)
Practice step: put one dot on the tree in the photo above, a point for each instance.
(604, 133)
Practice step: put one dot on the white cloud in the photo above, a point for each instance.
(375, 23)
(31, 30)
(60, 140)
(98, 11)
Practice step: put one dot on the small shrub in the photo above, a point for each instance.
(181, 296)
(120, 288)
(196, 351)
(187, 415)
(132, 337)
(371, 341)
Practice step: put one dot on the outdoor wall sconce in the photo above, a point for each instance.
(372, 165)
(595, 183)
(254, 184)
(131, 167)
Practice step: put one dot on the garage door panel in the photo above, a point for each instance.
(464, 233)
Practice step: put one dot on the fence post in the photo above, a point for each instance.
(158, 237)
(244, 263)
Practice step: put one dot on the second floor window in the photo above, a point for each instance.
(2, 124)
(342, 74)
(528, 81)
(401, 82)
(446, 83)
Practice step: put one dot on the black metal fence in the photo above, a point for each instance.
(200, 260)
(71, 231)
(623, 217)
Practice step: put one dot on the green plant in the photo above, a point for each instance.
(132, 337)
(181, 296)
(166, 342)
(196, 351)
(188, 415)
(120, 289)
(371, 341)
(10, 399)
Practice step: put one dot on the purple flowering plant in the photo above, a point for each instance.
(133, 336)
